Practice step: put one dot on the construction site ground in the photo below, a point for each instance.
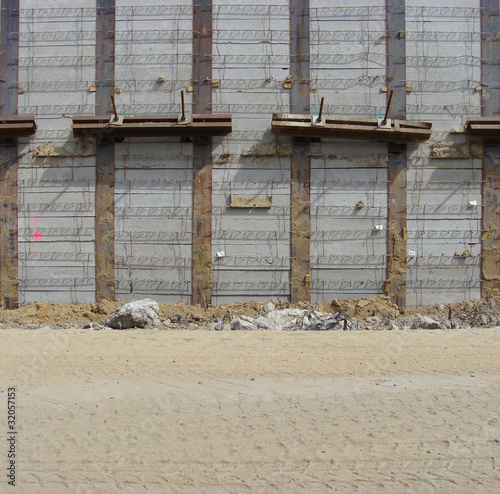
(173, 409)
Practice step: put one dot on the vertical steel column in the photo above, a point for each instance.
(202, 155)
(490, 106)
(9, 71)
(300, 228)
(397, 166)
(105, 168)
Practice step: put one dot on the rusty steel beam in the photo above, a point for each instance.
(399, 131)
(105, 166)
(202, 155)
(300, 168)
(484, 127)
(147, 126)
(9, 70)
(397, 165)
(490, 107)
(16, 126)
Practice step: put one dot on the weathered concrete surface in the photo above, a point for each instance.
(454, 150)
(444, 175)
(250, 62)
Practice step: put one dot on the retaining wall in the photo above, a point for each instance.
(250, 248)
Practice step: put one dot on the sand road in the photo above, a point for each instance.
(228, 412)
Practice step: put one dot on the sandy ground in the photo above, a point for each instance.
(228, 412)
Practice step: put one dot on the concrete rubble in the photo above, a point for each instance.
(425, 322)
(293, 320)
(416, 321)
(135, 314)
(370, 314)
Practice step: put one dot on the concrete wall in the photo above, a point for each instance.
(153, 189)
(56, 172)
(348, 253)
(251, 60)
(443, 47)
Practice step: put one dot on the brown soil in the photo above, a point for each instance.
(54, 313)
(361, 308)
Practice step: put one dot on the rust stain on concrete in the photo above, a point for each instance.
(202, 234)
(9, 283)
(490, 266)
(397, 224)
(300, 168)
(202, 155)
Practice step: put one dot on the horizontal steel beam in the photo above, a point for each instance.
(488, 127)
(398, 131)
(17, 126)
(144, 126)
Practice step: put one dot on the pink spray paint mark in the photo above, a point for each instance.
(36, 235)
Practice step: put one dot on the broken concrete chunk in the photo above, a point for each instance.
(215, 326)
(391, 325)
(136, 314)
(95, 326)
(319, 321)
(425, 322)
(262, 322)
(240, 324)
(276, 317)
(246, 318)
(291, 312)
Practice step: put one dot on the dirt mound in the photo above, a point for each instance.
(37, 313)
(361, 308)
